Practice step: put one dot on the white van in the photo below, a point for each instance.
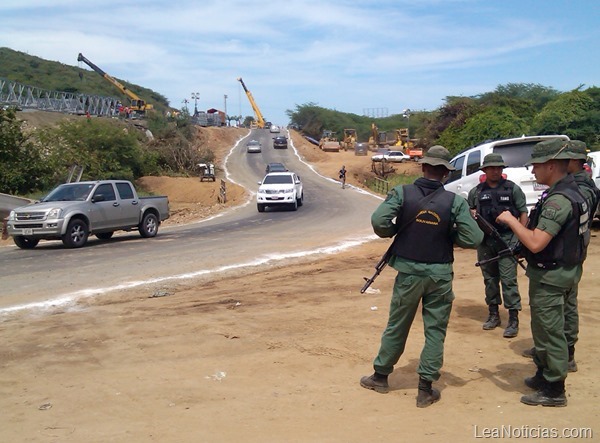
(515, 152)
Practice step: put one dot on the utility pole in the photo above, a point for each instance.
(195, 97)
(406, 115)
(225, 110)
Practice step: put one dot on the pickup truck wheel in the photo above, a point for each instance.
(294, 205)
(149, 226)
(260, 207)
(301, 200)
(76, 235)
(25, 242)
(105, 235)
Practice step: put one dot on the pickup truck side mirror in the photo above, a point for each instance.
(98, 198)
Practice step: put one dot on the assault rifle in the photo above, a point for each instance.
(378, 268)
(506, 251)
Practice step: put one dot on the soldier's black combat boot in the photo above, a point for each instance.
(377, 382)
(512, 329)
(572, 363)
(536, 382)
(552, 394)
(493, 320)
(427, 395)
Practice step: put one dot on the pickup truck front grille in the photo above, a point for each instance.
(272, 191)
(30, 216)
(28, 226)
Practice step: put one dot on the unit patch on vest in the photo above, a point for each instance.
(428, 217)
(486, 196)
(504, 198)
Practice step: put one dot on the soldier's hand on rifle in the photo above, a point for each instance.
(473, 213)
(505, 217)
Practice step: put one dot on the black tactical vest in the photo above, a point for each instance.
(426, 234)
(584, 181)
(493, 201)
(569, 246)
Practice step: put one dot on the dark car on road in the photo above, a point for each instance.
(280, 142)
(275, 167)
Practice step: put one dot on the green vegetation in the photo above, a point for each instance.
(54, 76)
(509, 111)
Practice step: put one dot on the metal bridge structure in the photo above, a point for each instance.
(31, 97)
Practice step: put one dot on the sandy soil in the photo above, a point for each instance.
(275, 356)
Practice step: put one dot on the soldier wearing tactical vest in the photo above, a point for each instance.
(488, 199)
(577, 150)
(555, 248)
(426, 221)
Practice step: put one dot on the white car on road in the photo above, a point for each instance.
(280, 188)
(392, 156)
(253, 146)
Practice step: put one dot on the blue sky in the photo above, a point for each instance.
(383, 56)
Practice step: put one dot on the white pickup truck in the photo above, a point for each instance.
(73, 211)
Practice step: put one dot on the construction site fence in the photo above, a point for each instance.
(380, 186)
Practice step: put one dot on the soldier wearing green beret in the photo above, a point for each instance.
(488, 200)
(426, 221)
(577, 151)
(555, 249)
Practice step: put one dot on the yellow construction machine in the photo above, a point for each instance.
(378, 139)
(408, 146)
(329, 142)
(349, 140)
(259, 121)
(136, 104)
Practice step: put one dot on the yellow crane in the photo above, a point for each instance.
(260, 121)
(136, 103)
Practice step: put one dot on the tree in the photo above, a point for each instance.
(569, 114)
(22, 164)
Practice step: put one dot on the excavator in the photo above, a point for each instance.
(378, 139)
(260, 121)
(137, 105)
(349, 140)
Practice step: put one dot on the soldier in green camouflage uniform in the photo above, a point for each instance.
(426, 221)
(577, 151)
(488, 200)
(555, 248)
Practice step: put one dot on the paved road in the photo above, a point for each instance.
(242, 237)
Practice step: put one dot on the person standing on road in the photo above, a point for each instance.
(555, 248)
(343, 176)
(577, 151)
(426, 221)
(487, 200)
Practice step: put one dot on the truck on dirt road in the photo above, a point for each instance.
(73, 211)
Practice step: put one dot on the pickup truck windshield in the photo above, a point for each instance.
(69, 192)
(278, 179)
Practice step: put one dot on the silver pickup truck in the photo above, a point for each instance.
(73, 211)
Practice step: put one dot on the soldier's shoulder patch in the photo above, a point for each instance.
(549, 211)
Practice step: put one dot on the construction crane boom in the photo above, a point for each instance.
(137, 104)
(260, 121)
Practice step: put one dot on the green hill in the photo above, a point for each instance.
(35, 71)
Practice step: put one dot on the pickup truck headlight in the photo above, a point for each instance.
(11, 216)
(54, 213)
(288, 191)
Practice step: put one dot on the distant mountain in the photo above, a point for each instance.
(35, 71)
